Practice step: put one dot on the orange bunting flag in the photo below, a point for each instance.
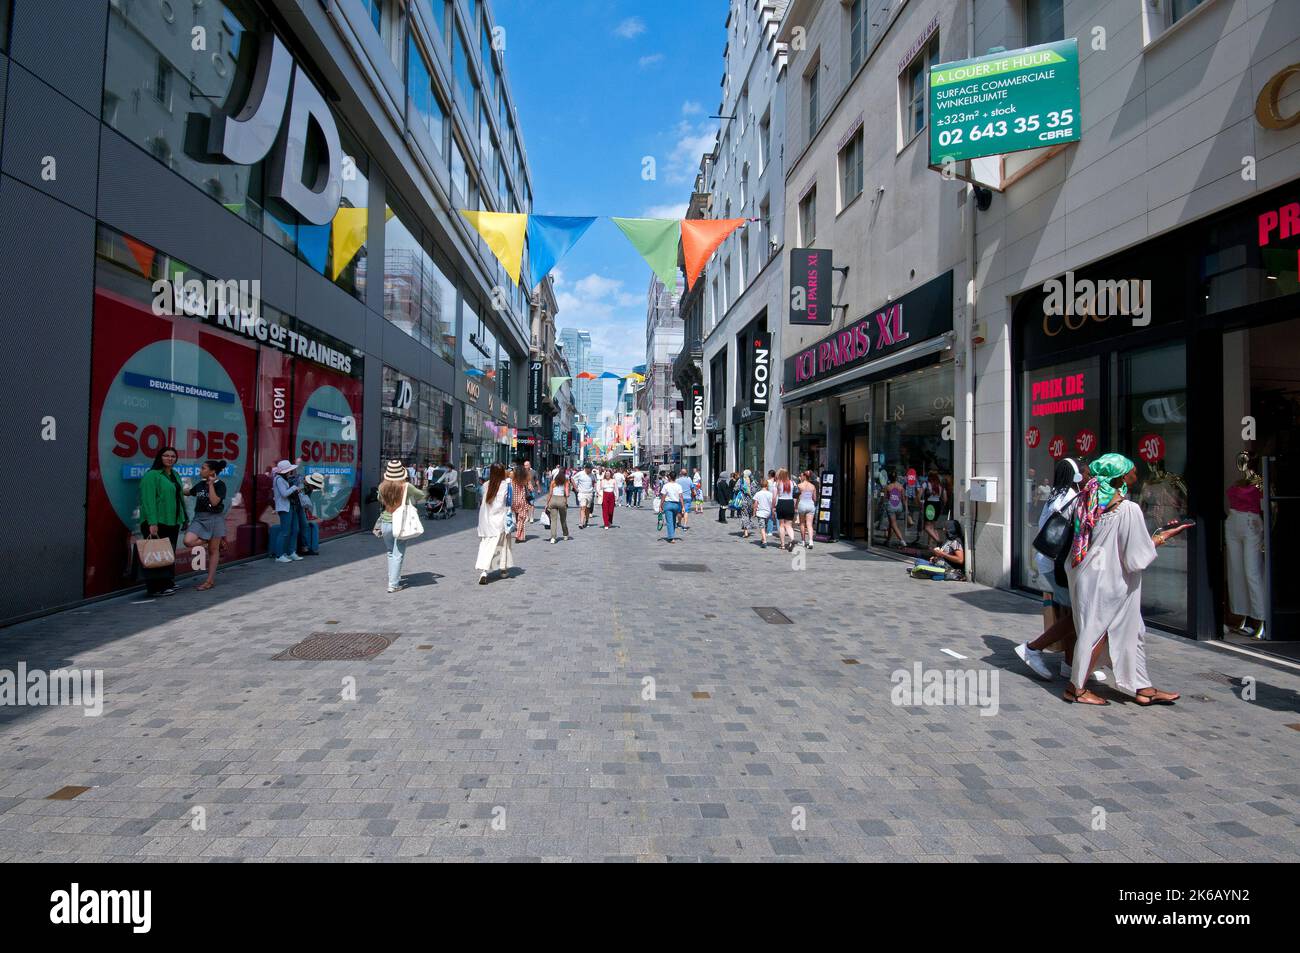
(700, 238)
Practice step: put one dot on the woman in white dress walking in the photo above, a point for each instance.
(496, 545)
(1111, 548)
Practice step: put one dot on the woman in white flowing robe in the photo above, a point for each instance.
(495, 544)
(1111, 549)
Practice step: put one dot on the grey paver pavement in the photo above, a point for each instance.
(516, 721)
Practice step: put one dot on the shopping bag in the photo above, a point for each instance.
(546, 520)
(154, 553)
(406, 521)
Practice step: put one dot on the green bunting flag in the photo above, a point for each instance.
(655, 239)
(557, 383)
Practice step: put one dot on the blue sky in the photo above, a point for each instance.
(599, 85)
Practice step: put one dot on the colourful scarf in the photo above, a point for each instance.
(1095, 498)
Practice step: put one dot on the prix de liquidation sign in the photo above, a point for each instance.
(1005, 102)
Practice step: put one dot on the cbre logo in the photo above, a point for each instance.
(305, 168)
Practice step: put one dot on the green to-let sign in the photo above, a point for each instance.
(1005, 102)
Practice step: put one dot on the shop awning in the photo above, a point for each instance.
(872, 371)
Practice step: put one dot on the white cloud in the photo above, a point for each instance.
(666, 211)
(650, 60)
(614, 316)
(630, 28)
(691, 108)
(693, 141)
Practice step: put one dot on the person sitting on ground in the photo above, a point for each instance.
(949, 559)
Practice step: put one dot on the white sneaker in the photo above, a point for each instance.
(283, 559)
(1034, 659)
(294, 557)
(554, 541)
(1067, 671)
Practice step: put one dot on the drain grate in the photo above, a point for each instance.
(700, 695)
(684, 567)
(772, 616)
(337, 647)
(1218, 677)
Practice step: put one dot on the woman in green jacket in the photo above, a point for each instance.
(162, 514)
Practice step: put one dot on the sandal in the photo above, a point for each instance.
(203, 586)
(1084, 697)
(1153, 696)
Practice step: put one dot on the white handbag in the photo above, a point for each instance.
(406, 521)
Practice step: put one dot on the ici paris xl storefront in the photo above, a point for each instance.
(1191, 368)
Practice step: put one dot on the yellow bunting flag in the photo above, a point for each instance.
(504, 234)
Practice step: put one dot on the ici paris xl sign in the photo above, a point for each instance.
(305, 170)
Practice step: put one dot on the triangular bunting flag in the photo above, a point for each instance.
(700, 237)
(346, 238)
(586, 376)
(142, 253)
(655, 239)
(313, 245)
(557, 383)
(609, 376)
(504, 234)
(549, 239)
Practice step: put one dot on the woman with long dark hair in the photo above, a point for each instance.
(496, 544)
(521, 488)
(162, 514)
(209, 523)
(784, 490)
(395, 491)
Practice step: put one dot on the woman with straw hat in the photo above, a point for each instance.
(496, 544)
(1111, 548)
(393, 492)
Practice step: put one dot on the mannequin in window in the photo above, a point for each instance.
(1244, 545)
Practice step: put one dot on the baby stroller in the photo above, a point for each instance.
(440, 504)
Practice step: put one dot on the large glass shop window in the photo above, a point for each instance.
(1153, 434)
(1061, 412)
(160, 85)
(909, 445)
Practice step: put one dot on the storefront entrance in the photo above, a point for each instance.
(1262, 497)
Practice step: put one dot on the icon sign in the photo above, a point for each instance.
(1056, 447)
(1033, 436)
(1151, 448)
(1085, 441)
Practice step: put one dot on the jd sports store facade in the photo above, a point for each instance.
(1208, 367)
(158, 291)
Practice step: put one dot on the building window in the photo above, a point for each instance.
(742, 110)
(1180, 8)
(808, 218)
(765, 230)
(726, 283)
(403, 270)
(810, 83)
(459, 173)
(857, 35)
(851, 170)
(375, 9)
(162, 83)
(744, 186)
(1044, 21)
(419, 86)
(463, 68)
(914, 88)
(764, 141)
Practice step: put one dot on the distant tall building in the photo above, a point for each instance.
(658, 399)
(589, 396)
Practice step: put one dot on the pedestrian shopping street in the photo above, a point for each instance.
(515, 720)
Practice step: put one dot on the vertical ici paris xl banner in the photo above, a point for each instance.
(163, 381)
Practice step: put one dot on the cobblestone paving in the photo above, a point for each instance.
(512, 721)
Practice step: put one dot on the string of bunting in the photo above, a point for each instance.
(550, 237)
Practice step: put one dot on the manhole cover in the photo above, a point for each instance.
(684, 567)
(337, 647)
(1217, 677)
(772, 616)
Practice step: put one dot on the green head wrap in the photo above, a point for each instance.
(1106, 468)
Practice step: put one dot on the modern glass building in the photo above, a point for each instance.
(232, 229)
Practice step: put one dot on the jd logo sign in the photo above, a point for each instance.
(305, 168)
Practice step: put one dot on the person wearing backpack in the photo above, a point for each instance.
(395, 492)
(1066, 482)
